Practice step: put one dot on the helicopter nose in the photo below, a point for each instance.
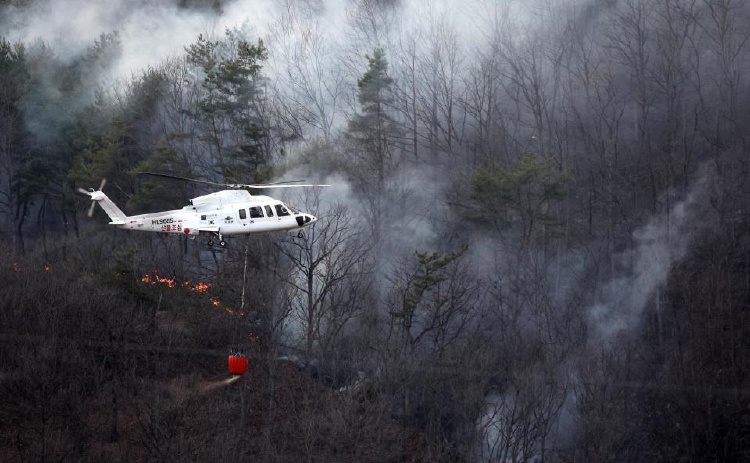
(305, 219)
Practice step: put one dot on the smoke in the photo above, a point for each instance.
(305, 39)
(154, 30)
(660, 244)
(151, 31)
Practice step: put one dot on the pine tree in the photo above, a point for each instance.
(372, 131)
(373, 136)
(230, 107)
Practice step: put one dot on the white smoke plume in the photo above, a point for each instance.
(154, 30)
(660, 244)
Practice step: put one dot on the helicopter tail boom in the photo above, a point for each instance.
(118, 217)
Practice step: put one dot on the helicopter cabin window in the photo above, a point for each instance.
(281, 210)
(269, 211)
(243, 214)
(256, 211)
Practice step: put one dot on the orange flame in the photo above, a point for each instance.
(199, 287)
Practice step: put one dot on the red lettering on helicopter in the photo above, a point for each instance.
(171, 228)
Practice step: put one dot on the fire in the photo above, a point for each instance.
(156, 279)
(199, 287)
(217, 303)
(169, 282)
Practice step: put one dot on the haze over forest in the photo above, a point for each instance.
(535, 246)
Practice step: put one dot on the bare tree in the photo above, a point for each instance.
(724, 23)
(428, 87)
(312, 91)
(331, 272)
(490, 136)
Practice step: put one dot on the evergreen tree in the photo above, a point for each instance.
(372, 131)
(373, 136)
(113, 141)
(519, 196)
(230, 109)
(14, 76)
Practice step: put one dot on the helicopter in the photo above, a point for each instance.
(231, 211)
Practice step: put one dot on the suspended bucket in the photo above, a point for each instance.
(237, 363)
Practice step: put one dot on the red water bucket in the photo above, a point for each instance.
(237, 364)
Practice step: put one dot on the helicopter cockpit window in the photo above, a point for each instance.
(281, 210)
(293, 209)
(269, 211)
(243, 214)
(256, 211)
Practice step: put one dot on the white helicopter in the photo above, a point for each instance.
(233, 211)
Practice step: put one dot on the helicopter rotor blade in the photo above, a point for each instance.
(104, 182)
(285, 184)
(91, 209)
(85, 192)
(175, 177)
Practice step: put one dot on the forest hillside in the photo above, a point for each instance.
(535, 245)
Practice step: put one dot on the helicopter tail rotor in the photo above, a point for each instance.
(91, 194)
